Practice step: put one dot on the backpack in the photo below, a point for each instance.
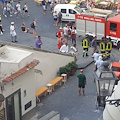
(15, 7)
(56, 34)
(32, 25)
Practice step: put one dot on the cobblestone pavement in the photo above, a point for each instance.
(65, 99)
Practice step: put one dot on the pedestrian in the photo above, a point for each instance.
(33, 25)
(118, 46)
(81, 82)
(73, 51)
(12, 4)
(44, 6)
(12, 7)
(0, 19)
(64, 48)
(25, 10)
(102, 45)
(51, 6)
(60, 43)
(70, 24)
(85, 44)
(1, 29)
(108, 47)
(69, 33)
(18, 8)
(59, 19)
(55, 3)
(38, 42)
(13, 33)
(98, 63)
(65, 31)
(24, 29)
(118, 8)
(8, 9)
(96, 55)
(94, 45)
(55, 18)
(60, 33)
(3, 3)
(92, 5)
(73, 34)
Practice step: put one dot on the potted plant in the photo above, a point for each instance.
(69, 69)
(73, 67)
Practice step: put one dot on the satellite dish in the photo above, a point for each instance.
(1, 98)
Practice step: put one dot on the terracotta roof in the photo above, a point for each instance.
(21, 71)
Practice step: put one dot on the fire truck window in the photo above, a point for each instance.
(113, 26)
(72, 11)
(63, 10)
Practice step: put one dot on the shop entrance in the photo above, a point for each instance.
(13, 106)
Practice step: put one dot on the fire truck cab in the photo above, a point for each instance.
(113, 29)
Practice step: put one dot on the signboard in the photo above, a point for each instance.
(90, 18)
(90, 25)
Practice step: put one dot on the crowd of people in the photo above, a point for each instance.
(65, 35)
(9, 9)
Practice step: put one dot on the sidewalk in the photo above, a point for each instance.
(66, 100)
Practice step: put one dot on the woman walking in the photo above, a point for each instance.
(73, 34)
(25, 10)
(55, 18)
(34, 28)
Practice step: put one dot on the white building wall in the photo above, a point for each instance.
(13, 67)
(111, 112)
(49, 66)
(23, 82)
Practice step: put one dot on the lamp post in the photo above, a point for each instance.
(105, 80)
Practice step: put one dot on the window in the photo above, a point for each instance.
(98, 72)
(113, 26)
(106, 75)
(29, 104)
(72, 11)
(63, 10)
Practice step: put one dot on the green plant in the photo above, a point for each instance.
(62, 70)
(73, 65)
(68, 68)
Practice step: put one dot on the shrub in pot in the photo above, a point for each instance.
(69, 69)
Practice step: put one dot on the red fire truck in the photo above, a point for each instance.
(98, 26)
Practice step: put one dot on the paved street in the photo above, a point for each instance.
(65, 99)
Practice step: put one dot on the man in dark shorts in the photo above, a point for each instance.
(59, 19)
(81, 82)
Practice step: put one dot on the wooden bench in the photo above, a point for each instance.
(56, 81)
(39, 92)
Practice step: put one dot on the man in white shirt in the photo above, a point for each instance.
(64, 48)
(96, 55)
(13, 33)
(18, 9)
(98, 63)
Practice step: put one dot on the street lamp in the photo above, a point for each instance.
(105, 80)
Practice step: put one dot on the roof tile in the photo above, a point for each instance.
(21, 71)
